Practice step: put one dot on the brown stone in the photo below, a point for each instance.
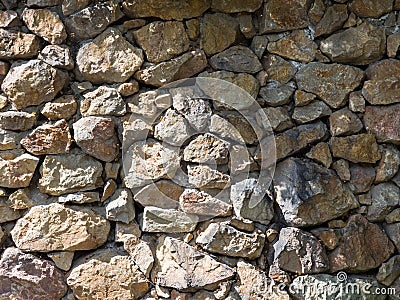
(344, 122)
(383, 122)
(356, 148)
(278, 69)
(61, 108)
(17, 120)
(393, 44)
(236, 6)
(18, 45)
(334, 18)
(17, 172)
(370, 8)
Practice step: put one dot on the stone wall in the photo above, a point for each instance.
(116, 182)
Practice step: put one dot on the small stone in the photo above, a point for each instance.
(143, 257)
(80, 198)
(309, 194)
(175, 10)
(93, 20)
(218, 32)
(362, 178)
(62, 259)
(162, 40)
(323, 80)
(385, 197)
(42, 3)
(193, 29)
(310, 112)
(201, 203)
(371, 8)
(17, 171)
(344, 122)
(32, 83)
(9, 139)
(206, 149)
(120, 207)
(321, 153)
(342, 169)
(109, 188)
(96, 136)
(246, 25)
(389, 271)
(172, 128)
(278, 69)
(71, 6)
(276, 94)
(317, 11)
(329, 237)
(226, 240)
(204, 177)
(383, 122)
(57, 56)
(300, 252)
(389, 164)
(17, 120)
(393, 43)
(167, 220)
(102, 279)
(359, 45)
(60, 175)
(278, 117)
(128, 88)
(363, 246)
(20, 199)
(176, 257)
(334, 18)
(236, 59)
(259, 45)
(112, 58)
(393, 217)
(46, 24)
(27, 276)
(18, 45)
(54, 227)
(296, 46)
(49, 139)
(7, 213)
(9, 18)
(356, 148)
(162, 194)
(61, 108)
(224, 129)
(302, 98)
(103, 101)
(111, 170)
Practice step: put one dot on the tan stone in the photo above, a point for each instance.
(61, 108)
(18, 171)
(356, 148)
(18, 45)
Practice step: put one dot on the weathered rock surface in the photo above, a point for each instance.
(278, 69)
(389, 163)
(120, 206)
(25, 276)
(54, 227)
(205, 177)
(311, 112)
(385, 197)
(389, 271)
(6, 212)
(321, 153)
(344, 122)
(61, 108)
(333, 19)
(172, 128)
(103, 101)
(207, 149)
(236, 6)
(167, 220)
(162, 194)
(18, 45)
(276, 94)
(80, 198)
(71, 6)
(57, 56)
(370, 8)
(383, 122)
(236, 59)
(17, 120)
(17, 171)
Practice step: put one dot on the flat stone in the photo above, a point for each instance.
(296, 46)
(383, 122)
(329, 237)
(54, 227)
(17, 172)
(103, 101)
(32, 82)
(324, 80)
(204, 177)
(363, 246)
(27, 276)
(166, 10)
(49, 139)
(385, 197)
(276, 94)
(359, 45)
(162, 40)
(59, 174)
(144, 105)
(9, 139)
(389, 271)
(18, 45)
(371, 8)
(172, 128)
(96, 136)
(278, 69)
(70, 6)
(321, 153)
(362, 178)
(310, 112)
(42, 3)
(162, 194)
(218, 32)
(236, 6)
(112, 58)
(393, 44)
(344, 122)
(389, 164)
(46, 24)
(80, 198)
(300, 252)
(120, 206)
(310, 194)
(278, 117)
(200, 271)
(167, 220)
(63, 107)
(356, 148)
(333, 19)
(62, 259)
(302, 98)
(206, 149)
(17, 120)
(236, 59)
(57, 56)
(103, 278)
(93, 20)
(393, 230)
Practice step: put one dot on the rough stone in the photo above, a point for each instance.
(61, 108)
(7, 213)
(54, 227)
(62, 259)
(389, 164)
(18, 45)
(356, 148)
(103, 101)
(383, 122)
(371, 8)
(71, 6)
(321, 153)
(60, 175)
(27, 276)
(344, 122)
(309, 194)
(276, 94)
(278, 117)
(310, 112)
(302, 98)
(356, 102)
(389, 271)
(162, 194)
(204, 177)
(96, 136)
(236, 59)
(385, 197)
(393, 217)
(42, 3)
(278, 69)
(17, 171)
(172, 128)
(236, 6)
(206, 149)
(112, 58)
(17, 120)
(9, 18)
(333, 19)
(167, 220)
(331, 82)
(393, 44)
(32, 82)
(362, 178)
(80, 198)
(57, 56)
(120, 207)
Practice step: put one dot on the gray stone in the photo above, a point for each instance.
(276, 94)
(333, 19)
(7, 213)
(278, 117)
(389, 163)
(236, 59)
(58, 56)
(120, 207)
(389, 271)
(204, 177)
(278, 69)
(207, 149)
(172, 128)
(103, 101)
(362, 178)
(80, 198)
(385, 197)
(62, 259)
(71, 6)
(311, 112)
(17, 120)
(162, 194)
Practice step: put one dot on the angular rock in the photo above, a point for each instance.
(385, 197)
(9, 18)
(25, 276)
(278, 117)
(302, 98)
(172, 128)
(393, 44)
(276, 94)
(71, 6)
(49, 139)
(42, 3)
(218, 32)
(204, 177)
(93, 20)
(296, 46)
(32, 82)
(17, 172)
(54, 227)
(311, 112)
(362, 178)
(344, 122)
(17, 120)
(393, 217)
(356, 148)
(97, 137)
(309, 194)
(331, 82)
(206, 149)
(61, 108)
(371, 8)
(62, 259)
(226, 240)
(167, 10)
(300, 252)
(103, 101)
(167, 220)
(46, 24)
(120, 207)
(103, 279)
(278, 69)
(393, 231)
(359, 45)
(61, 176)
(236, 6)
(7, 213)
(18, 45)
(162, 40)
(200, 270)
(112, 58)
(321, 153)
(80, 198)
(389, 271)
(162, 194)
(383, 122)
(57, 56)
(236, 59)
(363, 246)
(334, 18)
(389, 164)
